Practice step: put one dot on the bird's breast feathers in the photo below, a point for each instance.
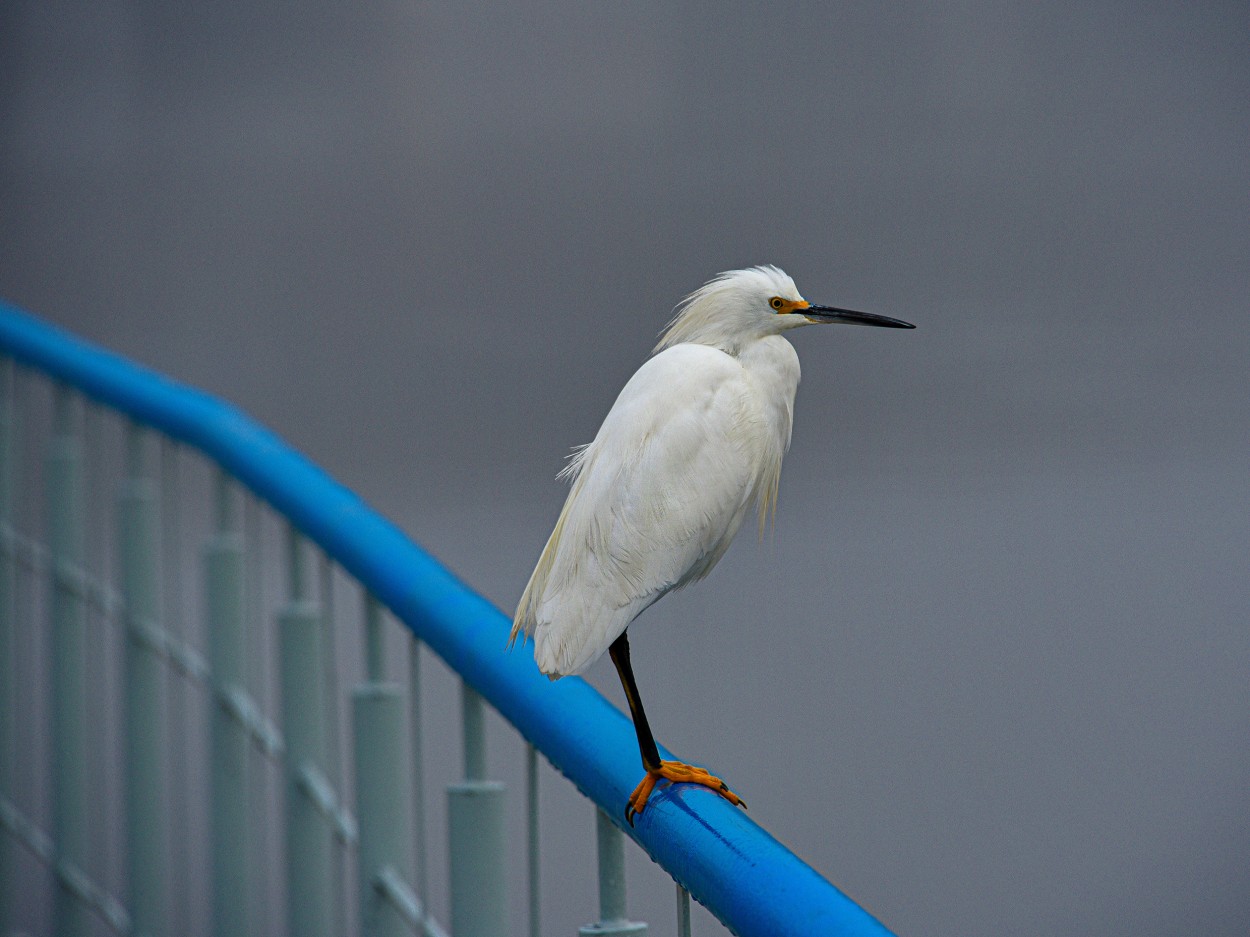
(656, 498)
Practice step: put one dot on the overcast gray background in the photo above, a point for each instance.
(989, 672)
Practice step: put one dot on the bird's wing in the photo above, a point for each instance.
(656, 499)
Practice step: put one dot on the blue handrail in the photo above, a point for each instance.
(751, 882)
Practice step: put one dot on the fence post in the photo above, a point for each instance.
(531, 834)
(229, 743)
(8, 639)
(68, 684)
(334, 756)
(612, 920)
(418, 769)
(476, 834)
(177, 690)
(310, 830)
(381, 804)
(144, 730)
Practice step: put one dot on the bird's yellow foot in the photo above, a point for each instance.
(680, 772)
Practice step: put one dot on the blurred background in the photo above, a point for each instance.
(989, 671)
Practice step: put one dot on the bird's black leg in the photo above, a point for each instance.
(656, 769)
(646, 741)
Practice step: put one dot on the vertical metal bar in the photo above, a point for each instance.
(230, 793)
(375, 641)
(683, 912)
(262, 829)
(68, 685)
(531, 812)
(144, 729)
(28, 590)
(418, 769)
(96, 691)
(478, 869)
(334, 763)
(612, 919)
(476, 834)
(309, 830)
(611, 868)
(174, 605)
(473, 715)
(105, 709)
(296, 567)
(381, 804)
(8, 643)
(379, 780)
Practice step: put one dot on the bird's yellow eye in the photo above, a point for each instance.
(776, 302)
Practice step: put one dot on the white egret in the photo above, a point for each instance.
(694, 439)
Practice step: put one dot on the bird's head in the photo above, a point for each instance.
(741, 306)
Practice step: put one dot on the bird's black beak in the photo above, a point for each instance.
(850, 317)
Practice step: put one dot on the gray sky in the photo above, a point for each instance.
(998, 635)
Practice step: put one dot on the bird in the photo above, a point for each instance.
(694, 440)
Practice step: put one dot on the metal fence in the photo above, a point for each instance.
(101, 664)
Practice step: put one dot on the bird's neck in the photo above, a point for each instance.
(772, 361)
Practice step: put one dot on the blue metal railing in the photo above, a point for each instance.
(751, 882)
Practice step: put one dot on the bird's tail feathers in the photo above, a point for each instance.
(526, 618)
(578, 634)
(518, 631)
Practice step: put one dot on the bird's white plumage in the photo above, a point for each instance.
(695, 437)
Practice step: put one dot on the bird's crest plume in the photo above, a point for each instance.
(721, 312)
